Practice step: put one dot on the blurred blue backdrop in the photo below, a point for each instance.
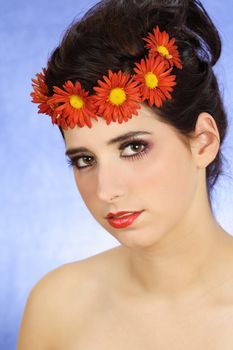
(43, 220)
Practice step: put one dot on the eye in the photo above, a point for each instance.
(75, 161)
(138, 147)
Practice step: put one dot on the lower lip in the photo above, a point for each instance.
(124, 221)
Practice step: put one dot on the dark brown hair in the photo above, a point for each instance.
(109, 36)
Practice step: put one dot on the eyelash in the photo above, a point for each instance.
(73, 162)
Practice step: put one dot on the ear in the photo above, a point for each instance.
(206, 142)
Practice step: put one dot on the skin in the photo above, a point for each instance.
(176, 242)
(170, 281)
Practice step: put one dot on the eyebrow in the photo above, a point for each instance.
(72, 151)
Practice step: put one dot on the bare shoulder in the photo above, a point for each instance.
(61, 298)
(43, 306)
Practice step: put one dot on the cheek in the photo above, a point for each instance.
(166, 185)
(87, 190)
(83, 186)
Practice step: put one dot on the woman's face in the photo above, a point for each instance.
(153, 172)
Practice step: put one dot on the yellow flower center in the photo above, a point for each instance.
(117, 96)
(76, 101)
(163, 50)
(151, 80)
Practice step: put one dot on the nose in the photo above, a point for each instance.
(110, 183)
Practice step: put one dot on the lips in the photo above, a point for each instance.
(123, 220)
(118, 214)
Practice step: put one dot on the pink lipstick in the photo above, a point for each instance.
(123, 221)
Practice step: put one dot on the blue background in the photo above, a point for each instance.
(44, 222)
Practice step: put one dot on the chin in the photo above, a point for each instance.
(136, 238)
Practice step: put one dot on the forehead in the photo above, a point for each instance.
(100, 133)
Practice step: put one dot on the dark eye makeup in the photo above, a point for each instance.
(141, 146)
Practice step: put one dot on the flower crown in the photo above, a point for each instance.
(118, 95)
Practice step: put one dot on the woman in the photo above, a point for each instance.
(135, 74)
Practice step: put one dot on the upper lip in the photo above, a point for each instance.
(110, 215)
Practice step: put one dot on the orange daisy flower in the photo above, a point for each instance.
(117, 97)
(160, 44)
(40, 93)
(73, 106)
(155, 81)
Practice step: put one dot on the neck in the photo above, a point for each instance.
(184, 259)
